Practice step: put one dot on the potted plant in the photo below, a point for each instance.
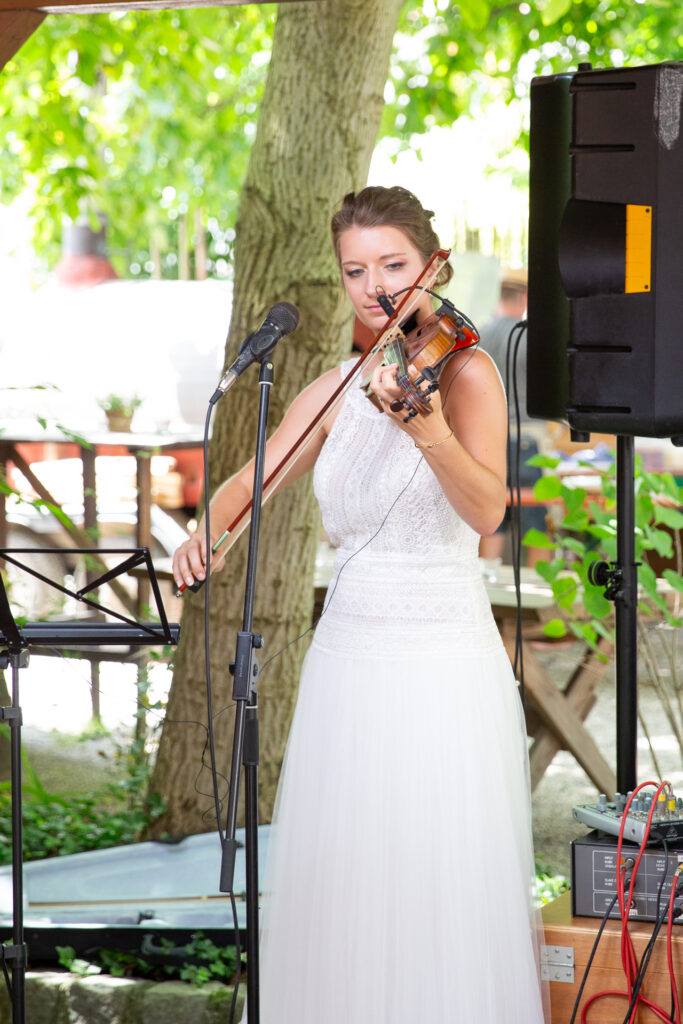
(119, 411)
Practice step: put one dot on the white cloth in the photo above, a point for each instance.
(397, 886)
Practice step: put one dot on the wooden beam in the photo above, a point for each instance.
(101, 6)
(15, 28)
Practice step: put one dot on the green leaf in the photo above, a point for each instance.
(74, 437)
(549, 570)
(554, 10)
(668, 516)
(603, 530)
(544, 461)
(575, 545)
(555, 628)
(547, 488)
(536, 539)
(674, 579)
(576, 520)
(565, 591)
(475, 13)
(660, 541)
(595, 603)
(647, 579)
(574, 497)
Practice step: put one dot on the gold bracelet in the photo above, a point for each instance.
(434, 443)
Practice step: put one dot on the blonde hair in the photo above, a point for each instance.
(377, 206)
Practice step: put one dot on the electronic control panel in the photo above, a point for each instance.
(667, 818)
(594, 872)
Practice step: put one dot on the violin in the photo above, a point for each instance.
(428, 347)
(371, 357)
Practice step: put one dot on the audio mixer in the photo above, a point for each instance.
(667, 819)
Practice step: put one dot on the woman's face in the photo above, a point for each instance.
(379, 256)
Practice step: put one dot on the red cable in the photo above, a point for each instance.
(669, 950)
(628, 956)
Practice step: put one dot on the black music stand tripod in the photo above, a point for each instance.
(15, 642)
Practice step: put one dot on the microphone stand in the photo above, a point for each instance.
(245, 748)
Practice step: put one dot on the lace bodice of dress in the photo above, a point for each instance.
(375, 488)
(406, 571)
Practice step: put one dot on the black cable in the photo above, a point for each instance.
(207, 638)
(660, 917)
(343, 566)
(210, 740)
(593, 951)
(238, 953)
(512, 349)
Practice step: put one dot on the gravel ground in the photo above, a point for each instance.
(565, 784)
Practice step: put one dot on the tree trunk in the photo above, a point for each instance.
(316, 132)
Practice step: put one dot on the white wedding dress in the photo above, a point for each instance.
(400, 860)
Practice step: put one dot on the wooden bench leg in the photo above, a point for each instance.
(561, 716)
(580, 693)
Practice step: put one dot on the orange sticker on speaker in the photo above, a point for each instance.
(638, 249)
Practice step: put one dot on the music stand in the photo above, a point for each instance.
(16, 641)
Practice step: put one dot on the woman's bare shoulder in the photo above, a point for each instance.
(473, 372)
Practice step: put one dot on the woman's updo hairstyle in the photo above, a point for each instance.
(396, 207)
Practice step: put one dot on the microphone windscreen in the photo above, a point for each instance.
(285, 316)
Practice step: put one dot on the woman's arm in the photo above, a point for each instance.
(470, 465)
(189, 560)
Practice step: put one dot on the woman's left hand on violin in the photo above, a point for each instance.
(422, 429)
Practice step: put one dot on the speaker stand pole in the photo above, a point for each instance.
(626, 619)
(620, 580)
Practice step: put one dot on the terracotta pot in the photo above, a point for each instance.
(119, 422)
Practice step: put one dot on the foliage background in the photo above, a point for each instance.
(147, 118)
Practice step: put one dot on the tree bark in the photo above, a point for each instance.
(316, 132)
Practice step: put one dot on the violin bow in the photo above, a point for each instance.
(370, 358)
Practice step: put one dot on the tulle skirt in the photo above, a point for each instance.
(400, 862)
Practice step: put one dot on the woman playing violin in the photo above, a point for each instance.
(397, 885)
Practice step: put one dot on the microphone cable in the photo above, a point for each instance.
(209, 706)
(627, 866)
(517, 331)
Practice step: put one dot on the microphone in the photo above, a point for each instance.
(282, 319)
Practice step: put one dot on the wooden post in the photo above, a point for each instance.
(15, 29)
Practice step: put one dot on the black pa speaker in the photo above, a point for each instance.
(605, 306)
